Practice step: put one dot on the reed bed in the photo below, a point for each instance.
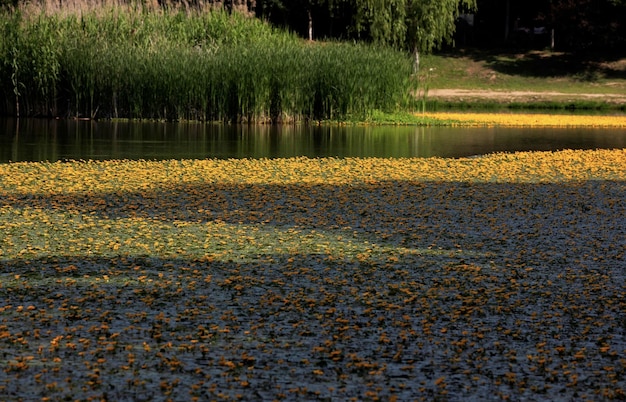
(120, 61)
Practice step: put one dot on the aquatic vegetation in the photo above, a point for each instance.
(529, 120)
(411, 279)
(127, 62)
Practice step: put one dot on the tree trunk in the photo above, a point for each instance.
(506, 20)
(310, 24)
(416, 61)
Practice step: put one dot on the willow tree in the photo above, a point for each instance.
(416, 25)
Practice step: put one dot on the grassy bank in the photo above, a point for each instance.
(524, 80)
(498, 277)
(180, 64)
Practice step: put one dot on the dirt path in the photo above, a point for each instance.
(464, 95)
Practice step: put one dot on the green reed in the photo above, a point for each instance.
(201, 65)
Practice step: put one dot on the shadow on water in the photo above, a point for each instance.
(52, 140)
(392, 213)
(513, 259)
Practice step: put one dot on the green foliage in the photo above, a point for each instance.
(421, 25)
(430, 23)
(10, 65)
(588, 24)
(383, 20)
(121, 62)
(378, 117)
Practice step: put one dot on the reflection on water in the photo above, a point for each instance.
(51, 140)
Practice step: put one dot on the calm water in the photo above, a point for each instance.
(51, 140)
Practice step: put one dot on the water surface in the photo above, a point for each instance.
(52, 140)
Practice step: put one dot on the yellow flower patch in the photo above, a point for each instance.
(529, 120)
(308, 279)
(125, 177)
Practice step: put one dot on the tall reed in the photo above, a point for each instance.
(180, 64)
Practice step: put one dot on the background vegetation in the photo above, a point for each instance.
(138, 62)
(579, 25)
(172, 60)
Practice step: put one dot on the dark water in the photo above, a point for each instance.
(51, 140)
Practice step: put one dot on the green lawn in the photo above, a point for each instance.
(528, 71)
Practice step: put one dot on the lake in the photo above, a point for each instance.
(52, 140)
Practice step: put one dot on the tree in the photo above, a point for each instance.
(421, 25)
(430, 23)
(294, 14)
(415, 25)
(577, 24)
(589, 24)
